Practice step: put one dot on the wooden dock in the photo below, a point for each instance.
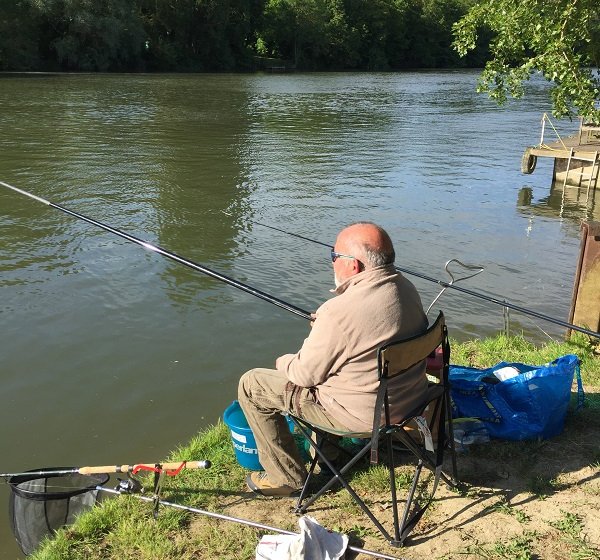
(576, 169)
(576, 157)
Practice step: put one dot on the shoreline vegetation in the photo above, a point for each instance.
(533, 499)
(233, 35)
(509, 40)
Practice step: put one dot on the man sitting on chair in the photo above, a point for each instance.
(332, 380)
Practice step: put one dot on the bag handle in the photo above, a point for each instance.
(480, 390)
(580, 391)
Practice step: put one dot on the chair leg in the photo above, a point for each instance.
(306, 484)
(433, 462)
(301, 506)
(392, 475)
(402, 534)
(408, 524)
(403, 527)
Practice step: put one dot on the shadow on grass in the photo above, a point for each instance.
(495, 472)
(533, 469)
(535, 466)
(499, 471)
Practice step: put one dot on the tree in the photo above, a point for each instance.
(90, 35)
(296, 30)
(18, 35)
(200, 35)
(554, 37)
(434, 37)
(374, 24)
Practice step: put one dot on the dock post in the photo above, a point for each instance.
(585, 305)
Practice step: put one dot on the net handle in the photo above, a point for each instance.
(145, 466)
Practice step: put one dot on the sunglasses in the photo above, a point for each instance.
(335, 256)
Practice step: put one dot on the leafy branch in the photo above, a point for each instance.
(553, 38)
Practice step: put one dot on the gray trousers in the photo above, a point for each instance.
(263, 395)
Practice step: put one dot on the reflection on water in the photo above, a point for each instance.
(111, 354)
(570, 203)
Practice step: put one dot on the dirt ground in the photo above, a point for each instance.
(518, 500)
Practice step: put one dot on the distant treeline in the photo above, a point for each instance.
(230, 35)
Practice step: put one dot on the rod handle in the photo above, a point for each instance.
(129, 468)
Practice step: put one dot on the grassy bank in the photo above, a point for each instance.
(545, 496)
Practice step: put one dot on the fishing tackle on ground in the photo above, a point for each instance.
(46, 500)
(171, 469)
(42, 501)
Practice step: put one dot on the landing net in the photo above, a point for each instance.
(39, 505)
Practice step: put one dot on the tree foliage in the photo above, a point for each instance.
(362, 34)
(18, 41)
(558, 38)
(216, 35)
(199, 35)
(90, 35)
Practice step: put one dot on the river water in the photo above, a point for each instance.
(111, 354)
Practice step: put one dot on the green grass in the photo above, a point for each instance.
(123, 527)
(541, 486)
(570, 527)
(376, 479)
(517, 548)
(503, 506)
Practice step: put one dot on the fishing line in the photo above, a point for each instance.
(497, 301)
(169, 254)
(201, 464)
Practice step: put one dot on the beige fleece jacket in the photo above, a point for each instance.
(339, 356)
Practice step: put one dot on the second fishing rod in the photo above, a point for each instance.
(451, 285)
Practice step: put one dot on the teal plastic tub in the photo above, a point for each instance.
(242, 438)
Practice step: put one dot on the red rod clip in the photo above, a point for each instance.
(157, 469)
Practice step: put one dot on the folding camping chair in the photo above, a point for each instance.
(394, 359)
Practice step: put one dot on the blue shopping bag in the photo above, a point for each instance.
(531, 404)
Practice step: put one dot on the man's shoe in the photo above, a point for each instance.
(259, 483)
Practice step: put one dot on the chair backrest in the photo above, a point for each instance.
(401, 356)
(396, 357)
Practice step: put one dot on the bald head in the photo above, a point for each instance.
(368, 242)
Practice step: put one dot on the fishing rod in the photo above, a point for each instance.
(238, 520)
(452, 285)
(169, 254)
(171, 469)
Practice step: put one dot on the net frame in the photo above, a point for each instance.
(41, 504)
